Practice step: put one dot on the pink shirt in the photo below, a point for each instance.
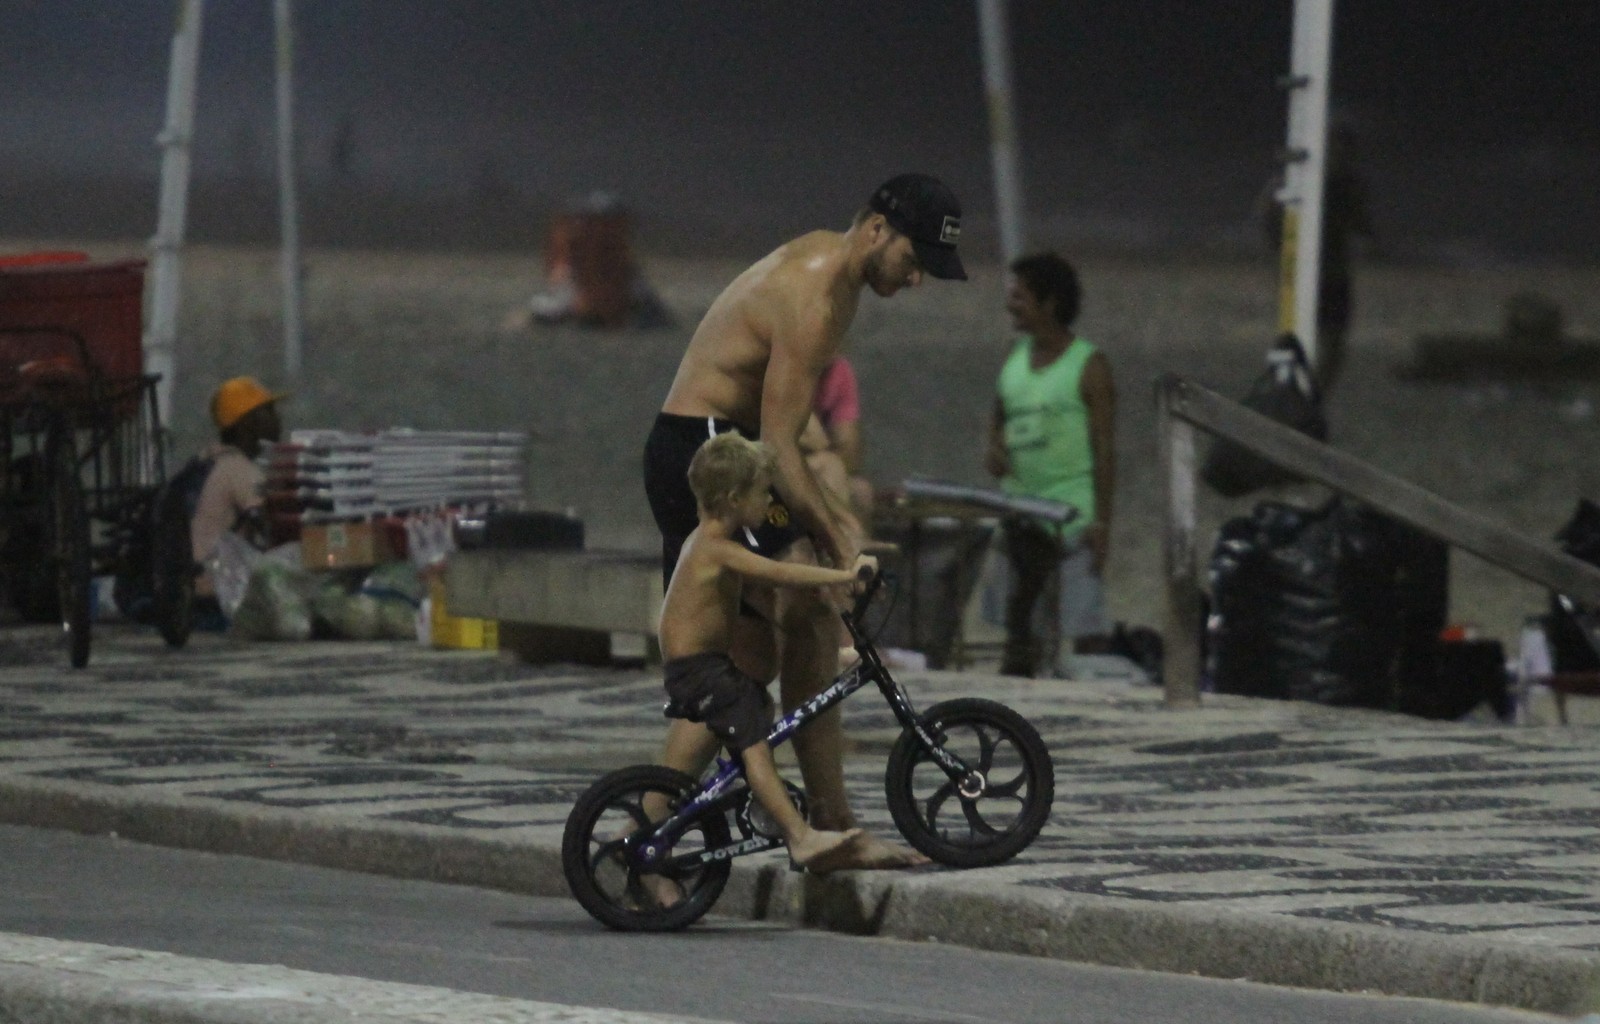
(838, 398)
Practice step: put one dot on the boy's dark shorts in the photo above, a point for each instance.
(672, 443)
(709, 688)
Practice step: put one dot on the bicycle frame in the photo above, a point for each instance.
(712, 796)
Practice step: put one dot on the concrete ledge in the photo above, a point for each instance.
(606, 591)
(919, 906)
(1265, 948)
(46, 981)
(1273, 949)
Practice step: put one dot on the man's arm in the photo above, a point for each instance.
(1100, 399)
(245, 483)
(801, 349)
(814, 438)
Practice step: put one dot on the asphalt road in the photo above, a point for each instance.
(243, 910)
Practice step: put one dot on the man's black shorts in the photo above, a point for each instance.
(709, 688)
(672, 443)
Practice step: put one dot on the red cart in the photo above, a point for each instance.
(82, 463)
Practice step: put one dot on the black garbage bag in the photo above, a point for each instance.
(1570, 649)
(1305, 605)
(1286, 391)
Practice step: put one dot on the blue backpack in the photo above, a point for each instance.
(181, 494)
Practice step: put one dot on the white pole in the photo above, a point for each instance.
(166, 248)
(1300, 270)
(1002, 126)
(288, 210)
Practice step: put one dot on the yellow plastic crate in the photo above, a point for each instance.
(454, 631)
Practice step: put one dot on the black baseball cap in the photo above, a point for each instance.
(923, 209)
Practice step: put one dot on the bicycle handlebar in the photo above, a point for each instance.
(873, 581)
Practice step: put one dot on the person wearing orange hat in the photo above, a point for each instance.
(246, 415)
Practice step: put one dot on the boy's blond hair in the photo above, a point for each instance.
(725, 468)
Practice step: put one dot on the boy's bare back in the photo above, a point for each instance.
(702, 600)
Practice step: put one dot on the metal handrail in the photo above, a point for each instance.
(1185, 406)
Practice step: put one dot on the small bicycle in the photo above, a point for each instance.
(969, 783)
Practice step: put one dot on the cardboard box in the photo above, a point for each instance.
(352, 545)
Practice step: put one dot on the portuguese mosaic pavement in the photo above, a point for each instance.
(1253, 806)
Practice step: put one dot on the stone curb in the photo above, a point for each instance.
(52, 982)
(1035, 921)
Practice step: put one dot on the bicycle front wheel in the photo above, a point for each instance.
(1018, 785)
(600, 873)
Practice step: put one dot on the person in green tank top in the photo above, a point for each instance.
(1052, 436)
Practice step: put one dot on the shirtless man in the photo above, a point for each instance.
(753, 366)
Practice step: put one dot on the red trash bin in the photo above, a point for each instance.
(104, 302)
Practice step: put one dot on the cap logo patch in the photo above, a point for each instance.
(950, 231)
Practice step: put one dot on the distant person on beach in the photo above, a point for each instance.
(753, 366)
(731, 478)
(591, 275)
(1344, 218)
(1051, 436)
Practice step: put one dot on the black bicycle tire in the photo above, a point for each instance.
(70, 536)
(922, 834)
(578, 859)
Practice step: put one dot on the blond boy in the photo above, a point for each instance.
(731, 478)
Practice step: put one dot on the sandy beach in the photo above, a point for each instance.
(419, 339)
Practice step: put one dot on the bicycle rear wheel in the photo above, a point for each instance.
(1018, 785)
(594, 855)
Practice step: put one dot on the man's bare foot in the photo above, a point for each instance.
(870, 853)
(816, 845)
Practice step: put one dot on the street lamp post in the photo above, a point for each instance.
(992, 29)
(1303, 173)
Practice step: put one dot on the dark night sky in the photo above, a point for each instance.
(1140, 120)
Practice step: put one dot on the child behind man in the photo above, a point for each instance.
(731, 478)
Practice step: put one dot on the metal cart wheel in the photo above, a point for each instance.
(69, 537)
(27, 569)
